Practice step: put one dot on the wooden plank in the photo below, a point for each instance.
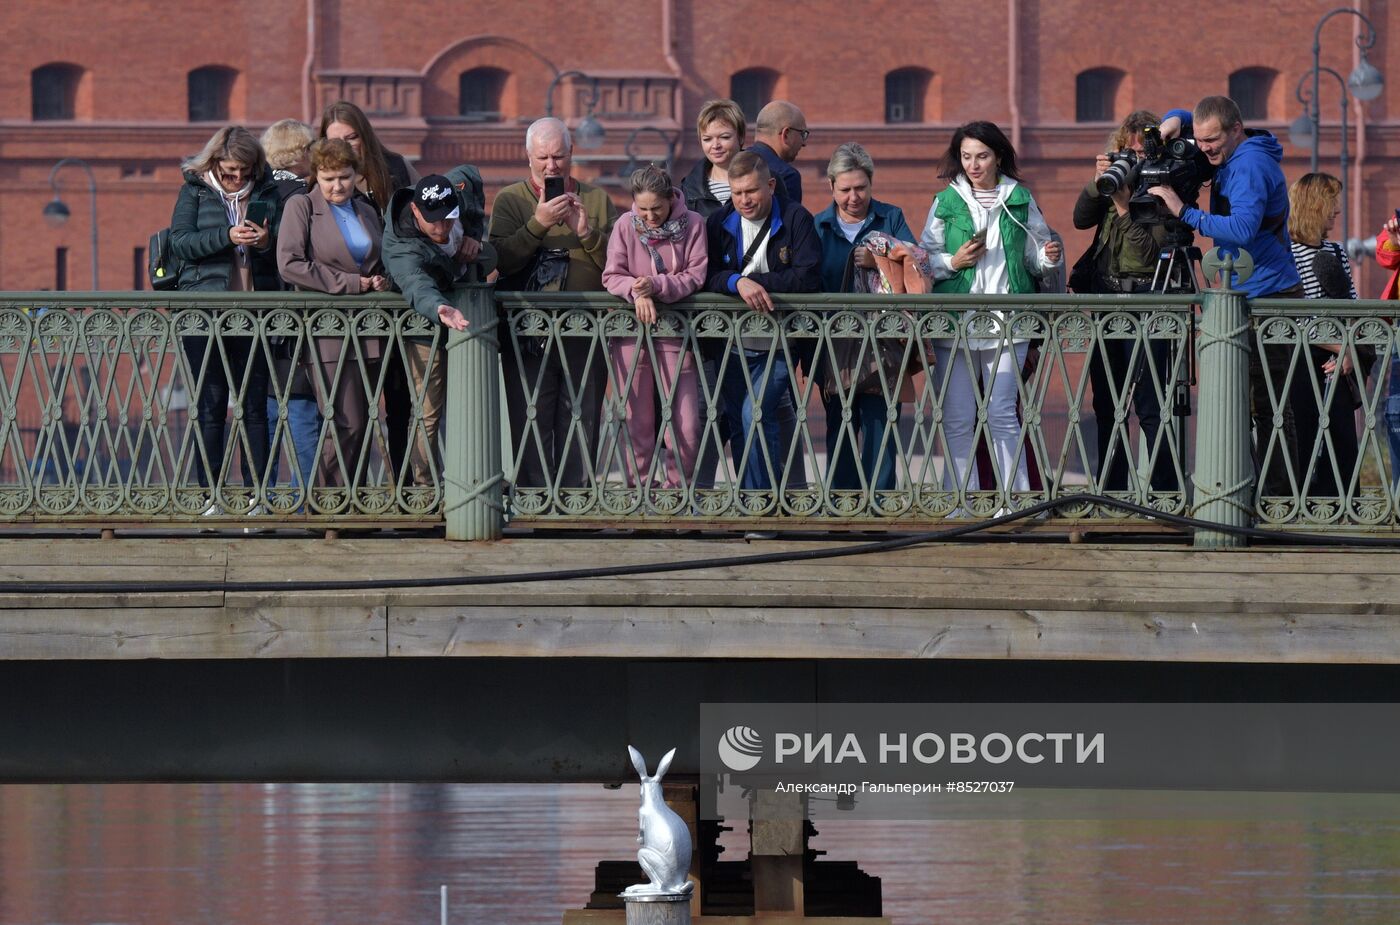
(290, 631)
(829, 597)
(758, 632)
(79, 551)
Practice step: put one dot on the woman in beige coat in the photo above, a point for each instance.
(329, 241)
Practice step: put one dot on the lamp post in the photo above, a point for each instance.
(57, 212)
(1365, 81)
(590, 132)
(666, 139)
(1303, 132)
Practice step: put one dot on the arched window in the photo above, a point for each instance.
(753, 89)
(479, 93)
(1250, 88)
(1096, 94)
(54, 91)
(210, 89)
(904, 94)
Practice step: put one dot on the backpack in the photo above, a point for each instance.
(162, 266)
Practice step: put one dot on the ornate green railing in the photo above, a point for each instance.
(1327, 370)
(878, 411)
(943, 442)
(100, 397)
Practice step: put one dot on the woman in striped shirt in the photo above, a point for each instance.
(1333, 385)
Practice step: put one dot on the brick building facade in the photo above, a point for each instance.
(132, 87)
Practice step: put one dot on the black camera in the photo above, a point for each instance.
(1177, 163)
(1123, 171)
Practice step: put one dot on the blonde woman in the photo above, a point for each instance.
(1314, 202)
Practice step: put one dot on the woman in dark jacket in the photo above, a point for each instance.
(223, 250)
(382, 173)
(842, 227)
(721, 128)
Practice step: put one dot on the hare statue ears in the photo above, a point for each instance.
(664, 854)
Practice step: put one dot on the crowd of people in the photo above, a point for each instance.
(332, 210)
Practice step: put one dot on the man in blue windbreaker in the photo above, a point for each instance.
(1249, 211)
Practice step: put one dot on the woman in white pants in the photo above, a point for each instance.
(984, 234)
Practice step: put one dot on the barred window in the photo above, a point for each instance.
(479, 93)
(54, 89)
(1096, 94)
(753, 89)
(904, 94)
(210, 89)
(1250, 88)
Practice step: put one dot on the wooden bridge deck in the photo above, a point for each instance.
(976, 601)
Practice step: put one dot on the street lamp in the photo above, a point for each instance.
(1303, 130)
(666, 139)
(57, 212)
(589, 133)
(1365, 82)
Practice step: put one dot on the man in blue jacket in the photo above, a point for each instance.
(1249, 211)
(759, 245)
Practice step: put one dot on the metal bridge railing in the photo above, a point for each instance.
(560, 409)
(850, 408)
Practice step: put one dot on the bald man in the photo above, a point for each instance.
(780, 133)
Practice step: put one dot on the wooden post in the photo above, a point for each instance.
(777, 850)
(668, 911)
(683, 799)
(471, 464)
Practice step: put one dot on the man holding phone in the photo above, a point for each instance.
(551, 234)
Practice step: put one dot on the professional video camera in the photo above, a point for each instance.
(1177, 163)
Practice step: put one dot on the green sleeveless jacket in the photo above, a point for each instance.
(958, 228)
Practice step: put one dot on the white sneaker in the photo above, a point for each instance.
(256, 510)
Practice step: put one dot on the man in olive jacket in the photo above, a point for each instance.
(432, 243)
(555, 243)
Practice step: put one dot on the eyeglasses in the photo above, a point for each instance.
(804, 132)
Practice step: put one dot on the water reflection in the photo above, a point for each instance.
(521, 854)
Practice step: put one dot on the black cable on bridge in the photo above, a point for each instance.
(947, 534)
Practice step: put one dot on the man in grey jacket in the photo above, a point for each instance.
(432, 243)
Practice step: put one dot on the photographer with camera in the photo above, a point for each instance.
(1249, 211)
(1122, 258)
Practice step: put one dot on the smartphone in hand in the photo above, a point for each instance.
(979, 238)
(258, 211)
(553, 188)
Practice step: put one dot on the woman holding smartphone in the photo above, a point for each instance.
(381, 174)
(984, 234)
(329, 242)
(222, 231)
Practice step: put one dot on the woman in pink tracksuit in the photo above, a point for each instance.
(657, 253)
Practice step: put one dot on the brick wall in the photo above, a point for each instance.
(832, 58)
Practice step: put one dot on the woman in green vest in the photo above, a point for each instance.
(984, 235)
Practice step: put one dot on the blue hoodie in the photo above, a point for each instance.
(1249, 209)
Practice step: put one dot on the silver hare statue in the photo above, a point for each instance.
(665, 840)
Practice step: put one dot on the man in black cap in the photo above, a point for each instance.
(432, 243)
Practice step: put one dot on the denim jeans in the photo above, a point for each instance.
(249, 375)
(847, 462)
(304, 429)
(771, 391)
(1392, 419)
